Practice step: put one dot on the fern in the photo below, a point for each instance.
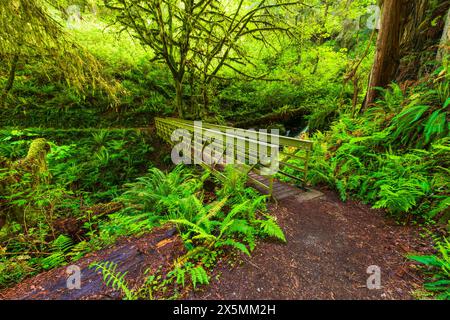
(215, 233)
(435, 126)
(197, 273)
(233, 243)
(180, 275)
(158, 191)
(60, 247)
(406, 123)
(198, 276)
(441, 207)
(201, 233)
(439, 268)
(114, 278)
(270, 228)
(392, 98)
(234, 182)
(403, 196)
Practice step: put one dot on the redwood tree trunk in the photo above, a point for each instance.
(443, 47)
(387, 58)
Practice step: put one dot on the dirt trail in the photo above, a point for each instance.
(329, 247)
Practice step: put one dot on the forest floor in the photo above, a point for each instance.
(330, 245)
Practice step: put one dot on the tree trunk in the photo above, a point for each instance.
(414, 34)
(444, 44)
(12, 75)
(179, 98)
(205, 97)
(387, 58)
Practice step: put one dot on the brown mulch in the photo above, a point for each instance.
(330, 245)
(153, 252)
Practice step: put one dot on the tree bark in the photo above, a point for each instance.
(12, 75)
(443, 46)
(179, 98)
(387, 58)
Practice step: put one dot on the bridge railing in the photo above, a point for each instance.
(243, 148)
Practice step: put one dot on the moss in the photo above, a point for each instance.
(15, 177)
(36, 157)
(38, 149)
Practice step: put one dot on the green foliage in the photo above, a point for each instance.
(367, 156)
(88, 161)
(392, 100)
(308, 72)
(197, 274)
(28, 29)
(413, 124)
(38, 99)
(438, 266)
(233, 182)
(114, 278)
(60, 247)
(208, 229)
(423, 118)
(82, 167)
(212, 227)
(232, 220)
(14, 269)
(270, 228)
(161, 192)
(394, 156)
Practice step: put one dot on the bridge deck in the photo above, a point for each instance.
(281, 190)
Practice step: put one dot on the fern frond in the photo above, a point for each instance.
(114, 278)
(60, 250)
(201, 234)
(199, 276)
(270, 228)
(232, 243)
(435, 126)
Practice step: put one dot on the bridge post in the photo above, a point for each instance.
(271, 186)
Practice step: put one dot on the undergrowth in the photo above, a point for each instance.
(395, 156)
(437, 269)
(230, 217)
(234, 221)
(51, 204)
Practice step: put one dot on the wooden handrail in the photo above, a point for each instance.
(224, 134)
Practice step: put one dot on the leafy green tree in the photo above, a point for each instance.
(199, 36)
(29, 32)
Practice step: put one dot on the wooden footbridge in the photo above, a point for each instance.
(275, 165)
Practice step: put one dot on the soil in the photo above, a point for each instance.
(330, 245)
